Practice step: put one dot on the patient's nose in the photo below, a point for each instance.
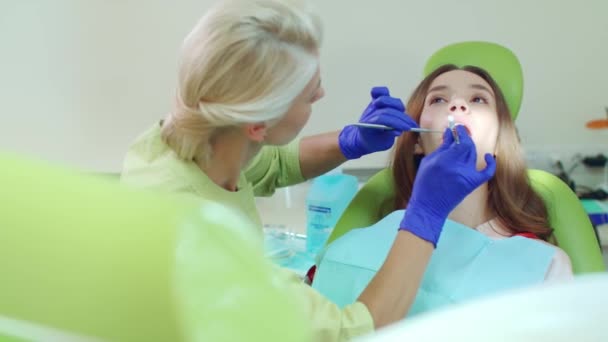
(459, 106)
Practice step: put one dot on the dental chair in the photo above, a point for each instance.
(85, 259)
(573, 230)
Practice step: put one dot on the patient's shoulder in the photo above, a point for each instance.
(561, 266)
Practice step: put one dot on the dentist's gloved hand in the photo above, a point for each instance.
(383, 110)
(444, 178)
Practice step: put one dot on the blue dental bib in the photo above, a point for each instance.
(466, 264)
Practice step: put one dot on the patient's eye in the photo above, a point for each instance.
(479, 99)
(436, 99)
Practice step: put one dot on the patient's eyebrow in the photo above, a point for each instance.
(481, 87)
(438, 88)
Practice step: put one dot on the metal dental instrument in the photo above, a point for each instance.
(452, 126)
(387, 128)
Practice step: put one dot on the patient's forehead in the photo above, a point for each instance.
(459, 79)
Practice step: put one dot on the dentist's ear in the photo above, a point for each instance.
(256, 131)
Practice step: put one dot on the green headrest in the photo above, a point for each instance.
(500, 62)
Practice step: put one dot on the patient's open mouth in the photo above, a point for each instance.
(467, 128)
(460, 124)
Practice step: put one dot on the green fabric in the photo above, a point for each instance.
(230, 292)
(151, 164)
(497, 60)
(88, 256)
(573, 229)
(78, 254)
(275, 167)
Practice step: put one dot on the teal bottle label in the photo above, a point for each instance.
(319, 227)
(319, 209)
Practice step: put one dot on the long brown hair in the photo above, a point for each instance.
(517, 206)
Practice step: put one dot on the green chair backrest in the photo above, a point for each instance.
(572, 227)
(88, 257)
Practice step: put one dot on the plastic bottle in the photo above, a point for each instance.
(328, 197)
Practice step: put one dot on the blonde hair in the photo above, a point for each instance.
(244, 62)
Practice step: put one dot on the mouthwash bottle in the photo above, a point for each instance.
(328, 197)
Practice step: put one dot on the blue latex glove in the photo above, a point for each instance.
(383, 110)
(444, 178)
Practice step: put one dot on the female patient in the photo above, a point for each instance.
(506, 205)
(495, 239)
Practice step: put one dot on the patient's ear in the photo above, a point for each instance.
(256, 131)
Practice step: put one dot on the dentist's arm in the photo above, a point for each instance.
(391, 293)
(319, 154)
